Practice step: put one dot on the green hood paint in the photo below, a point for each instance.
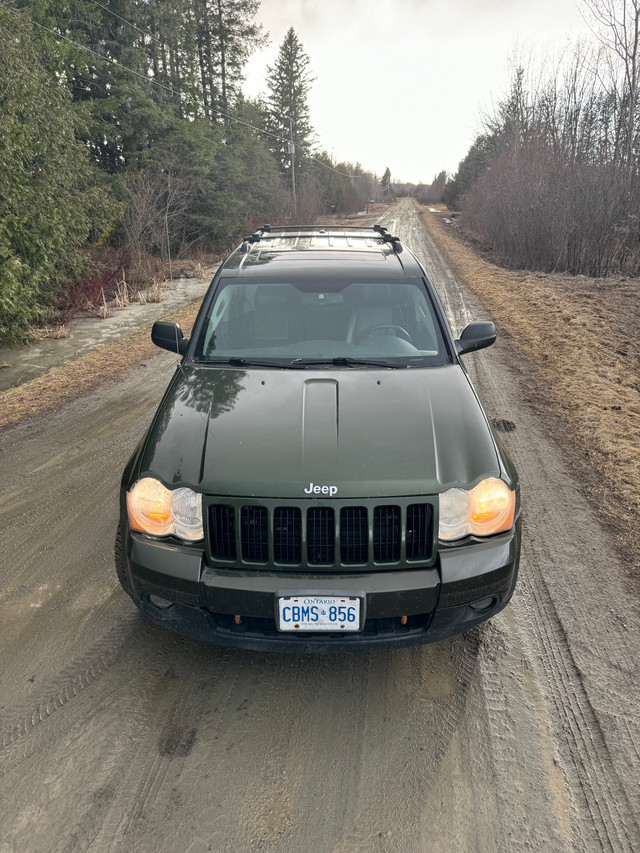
(270, 433)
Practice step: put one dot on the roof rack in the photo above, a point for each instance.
(275, 231)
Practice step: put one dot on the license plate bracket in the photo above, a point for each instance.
(320, 611)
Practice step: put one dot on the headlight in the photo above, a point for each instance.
(159, 511)
(488, 508)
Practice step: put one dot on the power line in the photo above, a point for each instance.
(218, 112)
(111, 12)
(102, 58)
(172, 91)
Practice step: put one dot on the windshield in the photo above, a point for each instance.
(354, 323)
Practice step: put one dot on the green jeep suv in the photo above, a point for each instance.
(320, 475)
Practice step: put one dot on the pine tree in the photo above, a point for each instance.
(51, 198)
(289, 82)
(226, 35)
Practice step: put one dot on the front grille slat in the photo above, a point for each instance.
(354, 535)
(321, 535)
(287, 535)
(223, 532)
(254, 534)
(419, 531)
(387, 534)
(343, 535)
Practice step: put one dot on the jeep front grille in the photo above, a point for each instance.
(287, 535)
(419, 531)
(343, 534)
(386, 534)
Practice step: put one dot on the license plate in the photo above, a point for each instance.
(319, 613)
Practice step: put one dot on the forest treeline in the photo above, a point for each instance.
(125, 141)
(553, 181)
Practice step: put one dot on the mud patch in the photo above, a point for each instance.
(503, 425)
(176, 741)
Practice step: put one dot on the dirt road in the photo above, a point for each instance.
(117, 736)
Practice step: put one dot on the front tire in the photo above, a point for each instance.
(119, 560)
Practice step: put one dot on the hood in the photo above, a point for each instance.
(283, 433)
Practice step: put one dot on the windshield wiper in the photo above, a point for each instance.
(346, 361)
(303, 363)
(237, 361)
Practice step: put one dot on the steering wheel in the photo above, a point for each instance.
(398, 331)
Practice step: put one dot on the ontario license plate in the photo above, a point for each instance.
(319, 613)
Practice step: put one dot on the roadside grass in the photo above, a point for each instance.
(581, 337)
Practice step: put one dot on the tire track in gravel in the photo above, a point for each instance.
(604, 811)
(54, 711)
(87, 668)
(284, 801)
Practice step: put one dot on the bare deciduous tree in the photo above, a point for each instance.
(560, 187)
(616, 24)
(153, 219)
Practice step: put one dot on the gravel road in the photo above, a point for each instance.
(118, 736)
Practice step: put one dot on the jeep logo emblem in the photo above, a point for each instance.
(321, 490)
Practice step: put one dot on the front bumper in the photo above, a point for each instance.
(468, 585)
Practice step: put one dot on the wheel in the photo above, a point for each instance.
(398, 330)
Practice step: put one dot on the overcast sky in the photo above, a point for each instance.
(403, 83)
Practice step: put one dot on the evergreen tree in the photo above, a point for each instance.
(51, 199)
(470, 168)
(288, 83)
(226, 35)
(122, 100)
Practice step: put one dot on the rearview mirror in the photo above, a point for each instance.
(169, 336)
(476, 336)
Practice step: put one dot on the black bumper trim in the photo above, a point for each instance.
(218, 629)
(435, 600)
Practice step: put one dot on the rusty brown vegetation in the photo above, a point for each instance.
(553, 181)
(579, 335)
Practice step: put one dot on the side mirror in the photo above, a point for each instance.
(476, 336)
(169, 336)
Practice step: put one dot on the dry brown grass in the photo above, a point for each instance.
(581, 337)
(52, 332)
(154, 293)
(102, 312)
(121, 297)
(62, 384)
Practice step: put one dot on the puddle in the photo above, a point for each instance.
(31, 361)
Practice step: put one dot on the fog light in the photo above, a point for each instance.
(160, 603)
(483, 604)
